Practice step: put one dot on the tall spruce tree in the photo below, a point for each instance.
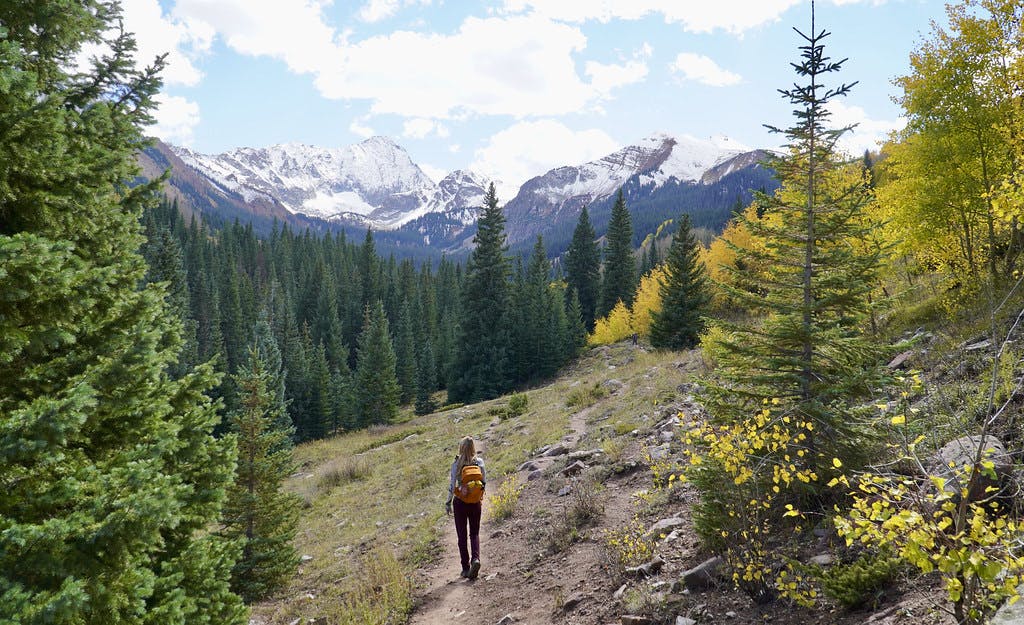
(425, 380)
(684, 294)
(481, 367)
(405, 354)
(811, 354)
(258, 512)
(620, 276)
(583, 268)
(377, 392)
(111, 473)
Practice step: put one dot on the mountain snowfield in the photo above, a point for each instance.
(376, 183)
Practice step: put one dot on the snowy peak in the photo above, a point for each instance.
(374, 181)
(652, 162)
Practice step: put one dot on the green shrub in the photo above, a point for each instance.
(517, 404)
(860, 582)
(583, 396)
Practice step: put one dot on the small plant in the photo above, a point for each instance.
(860, 582)
(627, 546)
(517, 405)
(642, 601)
(586, 505)
(503, 503)
(342, 472)
(563, 532)
(583, 396)
(663, 470)
(614, 448)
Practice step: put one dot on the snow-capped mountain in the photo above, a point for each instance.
(655, 161)
(374, 182)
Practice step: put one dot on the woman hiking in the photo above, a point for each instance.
(466, 483)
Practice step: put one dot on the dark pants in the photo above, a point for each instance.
(467, 512)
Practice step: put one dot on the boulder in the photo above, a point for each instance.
(584, 454)
(900, 361)
(660, 452)
(634, 619)
(704, 575)
(528, 466)
(618, 593)
(558, 449)
(565, 490)
(534, 475)
(664, 526)
(682, 620)
(574, 468)
(961, 452)
(823, 559)
(1010, 614)
(506, 620)
(574, 600)
(647, 569)
(612, 385)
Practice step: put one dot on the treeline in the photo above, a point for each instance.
(331, 302)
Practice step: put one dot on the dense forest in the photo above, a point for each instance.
(157, 371)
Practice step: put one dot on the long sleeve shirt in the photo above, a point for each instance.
(453, 478)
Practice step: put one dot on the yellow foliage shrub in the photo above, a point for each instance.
(617, 326)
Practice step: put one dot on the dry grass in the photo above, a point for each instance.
(374, 498)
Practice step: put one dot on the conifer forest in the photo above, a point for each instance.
(812, 414)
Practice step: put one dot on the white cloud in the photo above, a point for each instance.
(701, 69)
(868, 133)
(293, 31)
(176, 119)
(518, 65)
(604, 78)
(420, 128)
(181, 40)
(360, 128)
(531, 148)
(377, 10)
(732, 16)
(434, 173)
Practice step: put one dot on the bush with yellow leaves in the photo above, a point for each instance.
(627, 546)
(974, 545)
(503, 502)
(746, 473)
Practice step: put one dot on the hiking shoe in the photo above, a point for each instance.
(474, 569)
(464, 573)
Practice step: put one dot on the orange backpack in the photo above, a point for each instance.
(472, 484)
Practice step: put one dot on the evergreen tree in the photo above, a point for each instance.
(258, 512)
(583, 268)
(377, 391)
(811, 354)
(111, 473)
(264, 347)
(481, 369)
(684, 294)
(425, 381)
(576, 332)
(405, 354)
(620, 276)
(164, 260)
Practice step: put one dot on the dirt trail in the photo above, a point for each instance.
(448, 598)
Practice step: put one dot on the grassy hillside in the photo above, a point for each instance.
(373, 499)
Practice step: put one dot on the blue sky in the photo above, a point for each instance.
(509, 88)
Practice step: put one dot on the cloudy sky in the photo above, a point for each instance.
(509, 88)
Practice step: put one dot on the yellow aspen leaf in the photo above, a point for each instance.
(837, 463)
(899, 419)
